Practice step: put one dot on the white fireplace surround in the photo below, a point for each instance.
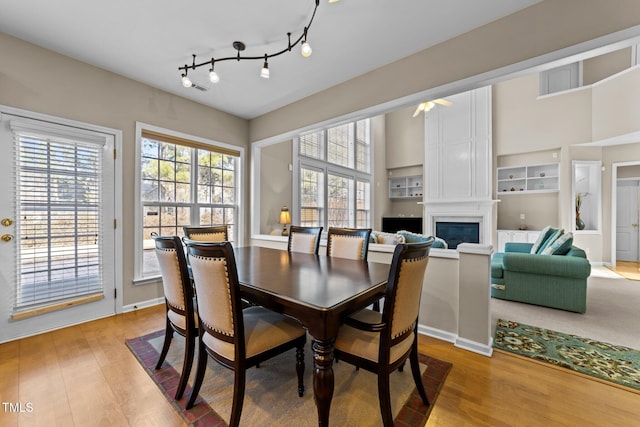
(480, 212)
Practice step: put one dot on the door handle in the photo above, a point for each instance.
(634, 225)
(6, 222)
(6, 237)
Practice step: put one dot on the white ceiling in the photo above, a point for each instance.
(147, 40)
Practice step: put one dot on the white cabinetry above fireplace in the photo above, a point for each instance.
(528, 179)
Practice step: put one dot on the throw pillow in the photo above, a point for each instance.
(561, 246)
(410, 237)
(544, 235)
(556, 235)
(440, 243)
(387, 238)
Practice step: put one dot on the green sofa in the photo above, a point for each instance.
(556, 281)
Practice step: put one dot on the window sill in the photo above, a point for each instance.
(147, 280)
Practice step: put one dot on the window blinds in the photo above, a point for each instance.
(58, 190)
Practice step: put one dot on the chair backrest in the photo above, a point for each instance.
(215, 277)
(207, 234)
(352, 243)
(404, 288)
(304, 239)
(178, 291)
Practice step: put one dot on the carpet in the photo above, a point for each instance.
(271, 396)
(612, 363)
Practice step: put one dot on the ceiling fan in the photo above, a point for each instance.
(428, 105)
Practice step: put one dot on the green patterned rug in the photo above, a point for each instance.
(614, 363)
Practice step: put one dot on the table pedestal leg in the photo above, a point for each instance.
(323, 378)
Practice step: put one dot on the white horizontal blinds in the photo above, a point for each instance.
(59, 213)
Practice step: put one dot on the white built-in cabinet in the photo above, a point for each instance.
(524, 236)
(409, 187)
(458, 149)
(543, 178)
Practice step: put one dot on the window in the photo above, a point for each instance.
(184, 183)
(334, 176)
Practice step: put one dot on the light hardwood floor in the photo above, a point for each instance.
(85, 376)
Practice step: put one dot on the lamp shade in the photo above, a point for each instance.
(285, 216)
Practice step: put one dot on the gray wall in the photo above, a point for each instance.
(40, 80)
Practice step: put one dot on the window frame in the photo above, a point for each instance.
(327, 168)
(196, 142)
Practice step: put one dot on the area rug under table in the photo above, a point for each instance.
(271, 396)
(613, 363)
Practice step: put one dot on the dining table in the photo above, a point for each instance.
(318, 291)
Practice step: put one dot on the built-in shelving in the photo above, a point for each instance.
(542, 178)
(408, 187)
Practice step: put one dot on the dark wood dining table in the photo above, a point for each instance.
(317, 290)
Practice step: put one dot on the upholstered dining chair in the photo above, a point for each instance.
(237, 339)
(304, 239)
(382, 342)
(352, 243)
(181, 313)
(218, 233)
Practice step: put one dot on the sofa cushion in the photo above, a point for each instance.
(542, 237)
(555, 236)
(561, 246)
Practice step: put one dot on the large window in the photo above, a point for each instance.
(184, 183)
(334, 176)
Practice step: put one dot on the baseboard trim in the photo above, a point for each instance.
(142, 304)
(437, 333)
(476, 347)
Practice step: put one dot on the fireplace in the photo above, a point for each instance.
(460, 221)
(456, 232)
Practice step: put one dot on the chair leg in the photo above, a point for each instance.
(186, 365)
(415, 370)
(200, 370)
(238, 397)
(168, 336)
(401, 367)
(300, 369)
(376, 306)
(384, 396)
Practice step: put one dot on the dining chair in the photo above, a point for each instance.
(217, 233)
(382, 342)
(304, 239)
(181, 316)
(237, 339)
(352, 243)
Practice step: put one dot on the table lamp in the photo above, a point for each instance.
(285, 218)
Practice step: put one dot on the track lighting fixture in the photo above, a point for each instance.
(305, 50)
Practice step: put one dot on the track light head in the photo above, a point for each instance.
(186, 81)
(265, 68)
(213, 76)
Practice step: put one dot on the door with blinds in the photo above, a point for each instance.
(56, 225)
